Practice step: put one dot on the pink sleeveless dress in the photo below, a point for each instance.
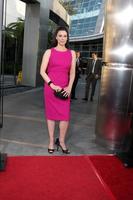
(58, 71)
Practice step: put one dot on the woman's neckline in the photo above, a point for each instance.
(60, 50)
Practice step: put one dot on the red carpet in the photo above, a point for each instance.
(118, 178)
(65, 178)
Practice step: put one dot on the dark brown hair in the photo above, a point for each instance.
(94, 53)
(55, 42)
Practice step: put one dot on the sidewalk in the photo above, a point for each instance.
(25, 130)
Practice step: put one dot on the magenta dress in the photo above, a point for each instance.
(58, 71)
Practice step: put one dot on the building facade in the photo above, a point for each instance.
(86, 31)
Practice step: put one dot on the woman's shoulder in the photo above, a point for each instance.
(47, 52)
(73, 53)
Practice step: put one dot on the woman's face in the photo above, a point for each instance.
(61, 38)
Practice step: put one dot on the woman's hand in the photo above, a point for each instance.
(55, 87)
(67, 91)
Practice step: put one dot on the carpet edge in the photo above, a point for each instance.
(103, 183)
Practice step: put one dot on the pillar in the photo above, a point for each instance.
(113, 120)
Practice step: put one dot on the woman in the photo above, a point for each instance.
(58, 72)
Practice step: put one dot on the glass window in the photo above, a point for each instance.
(85, 54)
(100, 48)
(85, 5)
(93, 48)
(84, 26)
(85, 47)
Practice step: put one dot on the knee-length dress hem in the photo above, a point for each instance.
(57, 119)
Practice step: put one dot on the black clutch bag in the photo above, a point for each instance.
(60, 95)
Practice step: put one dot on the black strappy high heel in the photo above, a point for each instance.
(57, 142)
(50, 150)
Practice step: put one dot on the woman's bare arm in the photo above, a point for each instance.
(43, 69)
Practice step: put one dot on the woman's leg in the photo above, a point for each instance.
(51, 129)
(63, 126)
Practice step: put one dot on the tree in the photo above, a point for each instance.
(14, 34)
(68, 7)
(16, 31)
